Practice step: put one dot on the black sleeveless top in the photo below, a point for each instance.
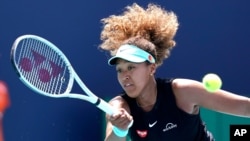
(165, 122)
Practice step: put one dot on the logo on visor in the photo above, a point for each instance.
(150, 58)
(121, 50)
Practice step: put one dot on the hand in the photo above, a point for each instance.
(120, 119)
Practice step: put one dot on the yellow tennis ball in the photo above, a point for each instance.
(212, 82)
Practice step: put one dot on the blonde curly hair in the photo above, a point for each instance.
(153, 24)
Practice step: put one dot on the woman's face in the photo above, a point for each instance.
(133, 77)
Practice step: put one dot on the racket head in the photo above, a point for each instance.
(42, 66)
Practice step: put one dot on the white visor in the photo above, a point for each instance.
(131, 53)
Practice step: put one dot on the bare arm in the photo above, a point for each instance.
(121, 119)
(190, 93)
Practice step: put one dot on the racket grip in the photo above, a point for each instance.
(106, 107)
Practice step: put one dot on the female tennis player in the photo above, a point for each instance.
(161, 109)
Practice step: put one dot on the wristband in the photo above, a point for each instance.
(119, 132)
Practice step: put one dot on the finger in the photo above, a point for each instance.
(115, 116)
(122, 122)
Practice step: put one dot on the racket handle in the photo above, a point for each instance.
(104, 106)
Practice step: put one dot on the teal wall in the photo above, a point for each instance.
(219, 123)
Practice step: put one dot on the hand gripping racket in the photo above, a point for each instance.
(46, 70)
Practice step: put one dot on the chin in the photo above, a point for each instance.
(131, 95)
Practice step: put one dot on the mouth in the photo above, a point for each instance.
(127, 85)
(130, 89)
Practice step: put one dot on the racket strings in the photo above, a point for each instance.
(42, 66)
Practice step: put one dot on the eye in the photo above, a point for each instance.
(130, 67)
(118, 70)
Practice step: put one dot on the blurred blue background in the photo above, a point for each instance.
(213, 37)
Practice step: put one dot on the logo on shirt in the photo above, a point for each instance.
(169, 126)
(151, 125)
(142, 133)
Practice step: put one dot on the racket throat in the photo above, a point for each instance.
(98, 101)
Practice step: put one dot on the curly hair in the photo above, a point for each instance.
(153, 24)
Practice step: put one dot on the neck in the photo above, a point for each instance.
(144, 106)
(148, 98)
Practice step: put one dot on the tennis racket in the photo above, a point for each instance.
(46, 70)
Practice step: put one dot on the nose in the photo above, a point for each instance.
(125, 75)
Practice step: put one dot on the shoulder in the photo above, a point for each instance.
(187, 92)
(119, 102)
(164, 81)
(182, 83)
(178, 83)
(186, 87)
